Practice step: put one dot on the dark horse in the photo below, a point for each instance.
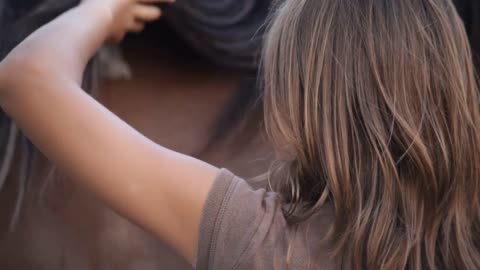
(193, 90)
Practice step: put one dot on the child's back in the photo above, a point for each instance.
(246, 229)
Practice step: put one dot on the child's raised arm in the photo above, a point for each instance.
(159, 189)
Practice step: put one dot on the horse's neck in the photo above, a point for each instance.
(172, 105)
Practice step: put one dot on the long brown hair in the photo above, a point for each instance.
(373, 107)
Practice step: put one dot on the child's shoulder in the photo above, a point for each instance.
(244, 228)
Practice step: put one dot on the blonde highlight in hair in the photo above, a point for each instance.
(373, 107)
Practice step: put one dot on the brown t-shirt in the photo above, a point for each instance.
(242, 228)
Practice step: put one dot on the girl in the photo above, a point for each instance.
(372, 106)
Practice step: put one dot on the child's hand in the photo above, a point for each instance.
(129, 15)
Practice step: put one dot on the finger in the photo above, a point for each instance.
(147, 13)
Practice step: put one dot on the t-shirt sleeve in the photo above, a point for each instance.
(238, 225)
